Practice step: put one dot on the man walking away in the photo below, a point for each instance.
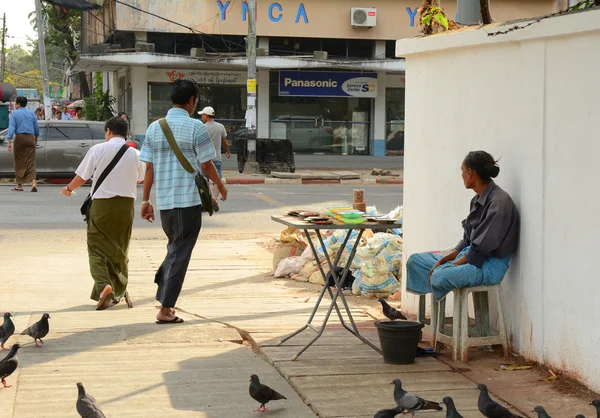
(218, 136)
(111, 215)
(23, 127)
(79, 114)
(65, 115)
(177, 195)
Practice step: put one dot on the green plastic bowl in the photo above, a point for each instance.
(351, 214)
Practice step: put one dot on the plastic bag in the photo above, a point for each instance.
(289, 266)
(291, 245)
(397, 213)
(366, 285)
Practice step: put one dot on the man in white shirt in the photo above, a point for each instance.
(111, 215)
(218, 136)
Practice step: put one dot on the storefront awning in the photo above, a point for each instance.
(113, 62)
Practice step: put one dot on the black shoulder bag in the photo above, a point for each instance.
(201, 182)
(87, 203)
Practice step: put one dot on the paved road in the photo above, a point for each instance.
(245, 214)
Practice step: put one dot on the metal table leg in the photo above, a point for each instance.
(338, 293)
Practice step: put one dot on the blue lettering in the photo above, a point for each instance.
(223, 9)
(411, 15)
(301, 12)
(244, 11)
(275, 6)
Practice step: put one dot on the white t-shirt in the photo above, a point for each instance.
(122, 180)
(216, 131)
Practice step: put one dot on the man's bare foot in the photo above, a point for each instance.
(106, 296)
(166, 314)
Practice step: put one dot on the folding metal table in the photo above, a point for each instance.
(306, 226)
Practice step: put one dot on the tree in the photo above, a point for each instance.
(62, 33)
(25, 80)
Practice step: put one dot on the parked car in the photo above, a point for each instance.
(305, 132)
(61, 147)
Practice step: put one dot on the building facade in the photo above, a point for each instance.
(327, 77)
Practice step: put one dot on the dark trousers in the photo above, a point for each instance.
(182, 227)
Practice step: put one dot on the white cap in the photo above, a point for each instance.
(207, 111)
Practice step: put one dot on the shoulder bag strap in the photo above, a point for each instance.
(110, 167)
(178, 153)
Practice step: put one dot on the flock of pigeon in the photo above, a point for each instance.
(407, 403)
(37, 331)
(86, 405)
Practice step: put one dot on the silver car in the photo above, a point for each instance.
(61, 147)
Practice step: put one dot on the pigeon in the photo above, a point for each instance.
(9, 364)
(541, 412)
(38, 330)
(491, 408)
(451, 411)
(86, 404)
(390, 312)
(262, 393)
(596, 403)
(388, 413)
(7, 329)
(411, 403)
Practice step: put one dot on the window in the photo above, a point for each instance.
(66, 133)
(97, 131)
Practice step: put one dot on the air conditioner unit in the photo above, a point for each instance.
(362, 16)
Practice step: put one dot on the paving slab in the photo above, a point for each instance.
(136, 368)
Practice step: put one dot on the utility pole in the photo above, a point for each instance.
(43, 65)
(251, 85)
(3, 66)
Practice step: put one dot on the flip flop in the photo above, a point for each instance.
(176, 320)
(106, 298)
(16, 189)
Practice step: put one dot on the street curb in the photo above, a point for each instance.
(272, 180)
(244, 180)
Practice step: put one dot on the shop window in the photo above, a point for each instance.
(320, 125)
(336, 48)
(394, 103)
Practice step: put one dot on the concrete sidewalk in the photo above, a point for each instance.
(136, 368)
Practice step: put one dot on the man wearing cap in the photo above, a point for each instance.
(218, 136)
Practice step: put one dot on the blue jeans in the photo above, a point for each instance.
(219, 166)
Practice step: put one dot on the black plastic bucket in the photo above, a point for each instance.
(399, 340)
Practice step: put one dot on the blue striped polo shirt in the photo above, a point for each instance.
(175, 187)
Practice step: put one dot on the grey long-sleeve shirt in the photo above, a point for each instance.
(492, 227)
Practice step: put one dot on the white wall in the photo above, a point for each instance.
(530, 98)
(139, 111)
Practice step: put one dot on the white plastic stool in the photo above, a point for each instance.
(482, 320)
(460, 339)
(431, 322)
(452, 339)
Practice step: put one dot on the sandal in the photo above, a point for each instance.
(34, 189)
(106, 297)
(176, 320)
(16, 189)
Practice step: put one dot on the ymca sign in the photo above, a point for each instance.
(275, 12)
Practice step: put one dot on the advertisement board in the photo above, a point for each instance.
(327, 84)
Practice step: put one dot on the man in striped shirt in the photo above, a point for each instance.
(177, 196)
